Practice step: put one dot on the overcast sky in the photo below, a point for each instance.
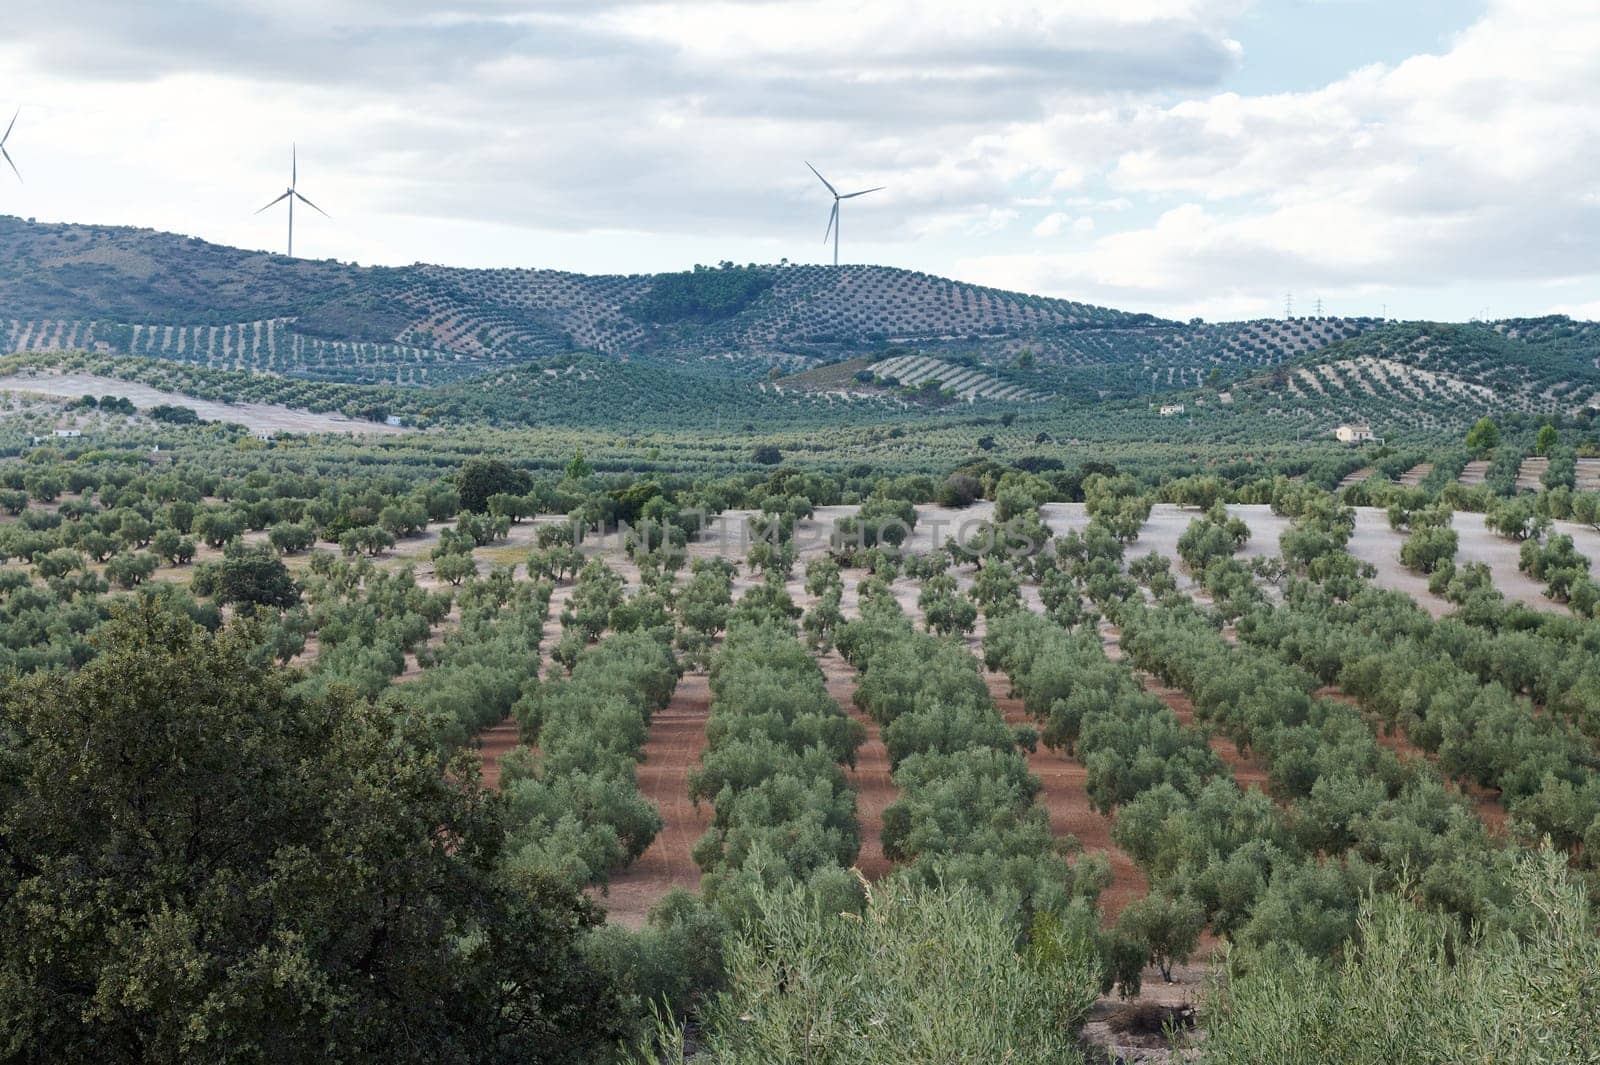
(1440, 158)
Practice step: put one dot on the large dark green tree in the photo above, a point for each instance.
(480, 478)
(198, 865)
(255, 578)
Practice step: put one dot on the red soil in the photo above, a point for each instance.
(677, 736)
(1247, 772)
(1485, 801)
(1066, 796)
(493, 743)
(874, 786)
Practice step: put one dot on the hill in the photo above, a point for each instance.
(132, 291)
(845, 335)
(1439, 376)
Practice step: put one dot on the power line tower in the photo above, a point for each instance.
(1319, 306)
(1288, 305)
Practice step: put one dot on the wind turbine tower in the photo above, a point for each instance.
(833, 217)
(7, 136)
(292, 194)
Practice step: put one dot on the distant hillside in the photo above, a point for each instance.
(131, 291)
(1434, 375)
(920, 378)
(138, 292)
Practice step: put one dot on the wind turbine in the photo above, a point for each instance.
(291, 194)
(833, 218)
(6, 137)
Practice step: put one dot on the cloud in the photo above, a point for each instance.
(1051, 224)
(1589, 312)
(622, 114)
(1475, 165)
(577, 121)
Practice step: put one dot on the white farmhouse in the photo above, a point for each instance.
(1169, 409)
(1354, 434)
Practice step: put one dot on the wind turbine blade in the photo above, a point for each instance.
(822, 179)
(863, 192)
(9, 128)
(14, 169)
(294, 164)
(275, 203)
(313, 206)
(833, 217)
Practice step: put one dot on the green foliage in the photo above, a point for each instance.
(480, 478)
(704, 294)
(199, 864)
(575, 812)
(256, 578)
(772, 770)
(1484, 436)
(1167, 928)
(173, 414)
(923, 974)
(1411, 988)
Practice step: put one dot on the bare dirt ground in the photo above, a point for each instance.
(1191, 982)
(1247, 772)
(1478, 544)
(1416, 474)
(1066, 797)
(258, 417)
(871, 777)
(1485, 801)
(1586, 538)
(493, 744)
(1356, 476)
(677, 736)
(1375, 542)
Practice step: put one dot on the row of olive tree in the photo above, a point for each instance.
(777, 745)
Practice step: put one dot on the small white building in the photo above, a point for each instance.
(1354, 434)
(68, 433)
(394, 420)
(1169, 409)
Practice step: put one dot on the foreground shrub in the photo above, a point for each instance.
(925, 974)
(1411, 991)
(198, 863)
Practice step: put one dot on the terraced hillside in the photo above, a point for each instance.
(139, 292)
(128, 291)
(1177, 355)
(270, 346)
(1438, 376)
(875, 378)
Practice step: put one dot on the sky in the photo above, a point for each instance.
(1420, 158)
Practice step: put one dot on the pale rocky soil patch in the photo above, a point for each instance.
(257, 417)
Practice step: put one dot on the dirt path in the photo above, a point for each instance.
(493, 743)
(1066, 796)
(871, 778)
(1247, 772)
(677, 736)
(1485, 801)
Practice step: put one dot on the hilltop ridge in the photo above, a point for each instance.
(845, 334)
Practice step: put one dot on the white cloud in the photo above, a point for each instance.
(1474, 165)
(1054, 223)
(1584, 311)
(1051, 224)
(563, 125)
